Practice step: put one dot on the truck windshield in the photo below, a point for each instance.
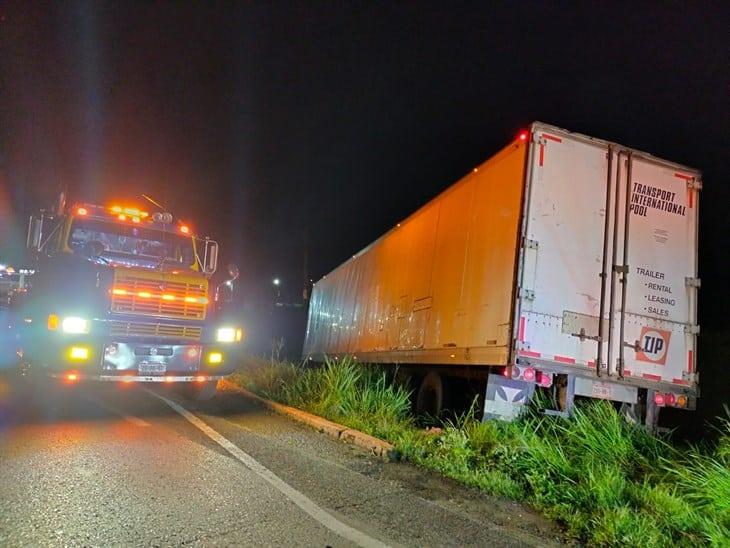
(130, 240)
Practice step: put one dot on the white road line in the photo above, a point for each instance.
(298, 498)
(130, 418)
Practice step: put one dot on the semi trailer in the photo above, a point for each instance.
(563, 263)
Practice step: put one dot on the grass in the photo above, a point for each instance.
(608, 481)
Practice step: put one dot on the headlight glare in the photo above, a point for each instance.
(75, 325)
(228, 334)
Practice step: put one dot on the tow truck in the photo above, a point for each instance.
(121, 294)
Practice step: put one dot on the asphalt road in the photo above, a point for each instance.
(122, 465)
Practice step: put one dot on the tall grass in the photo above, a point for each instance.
(358, 396)
(609, 481)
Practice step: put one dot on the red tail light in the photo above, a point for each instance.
(544, 379)
(659, 399)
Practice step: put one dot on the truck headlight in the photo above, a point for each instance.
(75, 325)
(228, 334)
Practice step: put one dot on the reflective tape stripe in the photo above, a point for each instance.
(521, 332)
(552, 138)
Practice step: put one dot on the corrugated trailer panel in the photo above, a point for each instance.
(439, 287)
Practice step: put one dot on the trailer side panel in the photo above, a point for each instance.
(439, 287)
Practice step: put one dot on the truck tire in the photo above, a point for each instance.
(430, 398)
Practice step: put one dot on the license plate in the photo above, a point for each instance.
(146, 368)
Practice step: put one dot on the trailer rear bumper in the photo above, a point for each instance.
(589, 373)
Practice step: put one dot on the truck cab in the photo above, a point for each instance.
(121, 294)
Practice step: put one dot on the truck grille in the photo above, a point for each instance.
(131, 329)
(149, 294)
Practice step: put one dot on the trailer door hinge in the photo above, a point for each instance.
(692, 329)
(693, 282)
(694, 184)
(527, 294)
(529, 244)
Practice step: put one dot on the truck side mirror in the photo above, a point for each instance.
(35, 233)
(210, 257)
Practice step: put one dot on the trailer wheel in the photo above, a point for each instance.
(430, 399)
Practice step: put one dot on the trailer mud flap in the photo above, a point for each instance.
(506, 398)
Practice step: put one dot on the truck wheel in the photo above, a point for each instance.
(430, 399)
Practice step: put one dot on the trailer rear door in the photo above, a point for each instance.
(591, 250)
(654, 318)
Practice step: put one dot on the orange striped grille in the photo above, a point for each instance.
(150, 295)
(131, 329)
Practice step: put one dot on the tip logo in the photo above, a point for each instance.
(655, 344)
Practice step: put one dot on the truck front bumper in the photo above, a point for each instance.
(74, 376)
(112, 360)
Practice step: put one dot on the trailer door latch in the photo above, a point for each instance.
(636, 346)
(527, 294)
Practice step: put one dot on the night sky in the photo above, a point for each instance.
(263, 123)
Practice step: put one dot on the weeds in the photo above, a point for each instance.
(608, 481)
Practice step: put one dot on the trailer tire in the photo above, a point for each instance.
(430, 398)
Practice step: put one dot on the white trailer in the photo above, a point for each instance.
(563, 260)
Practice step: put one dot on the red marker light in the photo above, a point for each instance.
(184, 229)
(71, 377)
(82, 211)
(522, 136)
